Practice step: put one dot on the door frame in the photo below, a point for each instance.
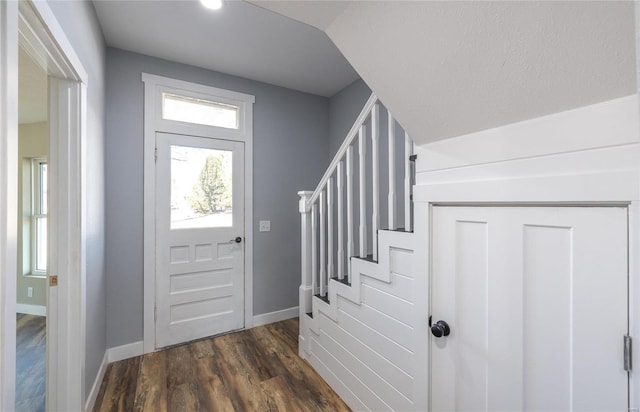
(33, 26)
(154, 86)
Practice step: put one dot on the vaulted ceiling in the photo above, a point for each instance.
(448, 68)
(240, 39)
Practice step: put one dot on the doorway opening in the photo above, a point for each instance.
(31, 276)
(58, 221)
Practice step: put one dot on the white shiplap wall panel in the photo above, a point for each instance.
(401, 261)
(395, 353)
(351, 360)
(399, 309)
(380, 365)
(400, 286)
(379, 321)
(365, 338)
(342, 372)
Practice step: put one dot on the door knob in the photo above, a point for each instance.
(237, 240)
(440, 329)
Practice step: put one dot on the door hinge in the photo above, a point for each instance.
(155, 313)
(628, 360)
(53, 280)
(155, 155)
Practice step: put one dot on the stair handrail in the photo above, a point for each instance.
(351, 136)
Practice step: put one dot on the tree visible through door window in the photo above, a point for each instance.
(201, 187)
(39, 211)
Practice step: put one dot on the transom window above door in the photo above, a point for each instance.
(181, 107)
(193, 110)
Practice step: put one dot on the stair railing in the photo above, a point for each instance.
(320, 226)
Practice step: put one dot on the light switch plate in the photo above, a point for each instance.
(265, 226)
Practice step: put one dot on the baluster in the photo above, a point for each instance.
(350, 246)
(323, 245)
(392, 171)
(340, 187)
(363, 191)
(314, 248)
(330, 269)
(375, 180)
(408, 151)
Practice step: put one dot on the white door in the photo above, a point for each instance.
(199, 237)
(536, 302)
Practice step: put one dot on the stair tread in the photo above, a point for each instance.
(325, 298)
(400, 229)
(344, 281)
(369, 258)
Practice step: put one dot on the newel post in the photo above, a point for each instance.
(306, 283)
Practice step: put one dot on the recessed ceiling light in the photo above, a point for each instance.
(212, 4)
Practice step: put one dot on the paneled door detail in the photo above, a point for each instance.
(536, 303)
(199, 237)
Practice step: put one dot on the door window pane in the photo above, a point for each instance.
(192, 110)
(201, 188)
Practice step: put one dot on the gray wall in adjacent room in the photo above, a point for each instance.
(344, 107)
(80, 23)
(290, 154)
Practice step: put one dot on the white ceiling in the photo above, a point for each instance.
(32, 90)
(448, 68)
(241, 39)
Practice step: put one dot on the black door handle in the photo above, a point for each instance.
(237, 240)
(440, 329)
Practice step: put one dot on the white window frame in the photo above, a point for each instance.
(243, 102)
(36, 214)
(154, 87)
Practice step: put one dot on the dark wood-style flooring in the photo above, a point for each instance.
(254, 370)
(30, 363)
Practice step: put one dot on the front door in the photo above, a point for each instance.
(536, 303)
(199, 237)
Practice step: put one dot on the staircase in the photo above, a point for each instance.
(360, 327)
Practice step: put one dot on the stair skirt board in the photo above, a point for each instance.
(363, 333)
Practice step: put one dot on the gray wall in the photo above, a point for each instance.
(344, 107)
(290, 154)
(80, 24)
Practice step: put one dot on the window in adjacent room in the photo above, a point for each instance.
(39, 216)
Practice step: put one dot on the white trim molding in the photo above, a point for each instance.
(115, 354)
(154, 86)
(97, 383)
(276, 316)
(26, 309)
(610, 123)
(8, 199)
(122, 352)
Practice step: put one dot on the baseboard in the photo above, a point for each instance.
(276, 316)
(95, 389)
(31, 309)
(123, 352)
